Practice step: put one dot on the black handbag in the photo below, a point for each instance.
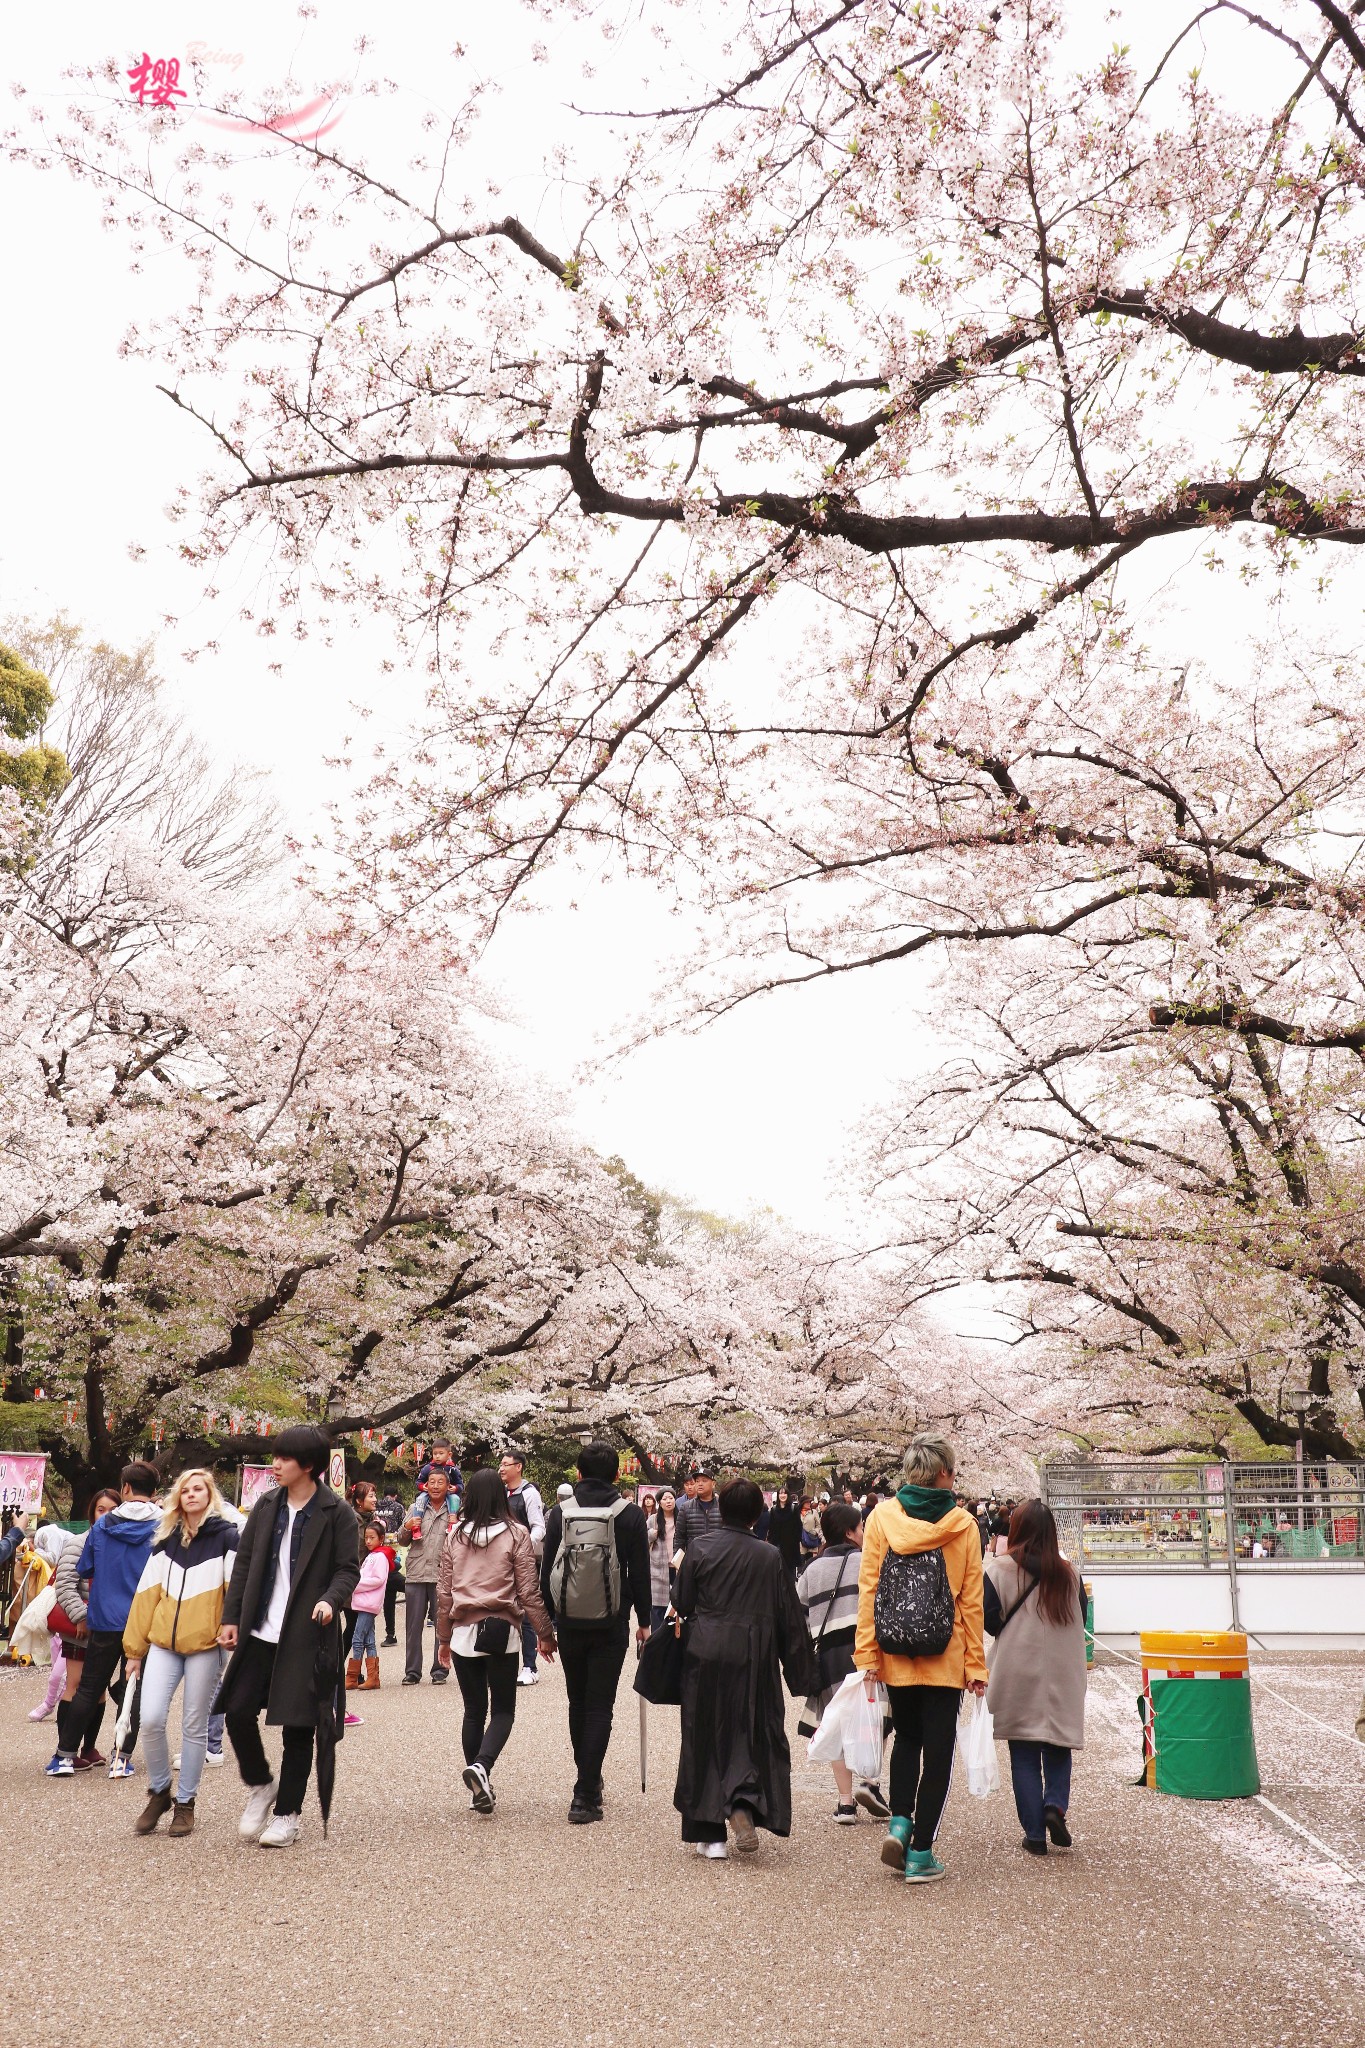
(492, 1636)
(659, 1673)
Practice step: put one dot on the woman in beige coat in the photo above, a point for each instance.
(1035, 1609)
(486, 1581)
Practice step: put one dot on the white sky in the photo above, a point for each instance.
(758, 1110)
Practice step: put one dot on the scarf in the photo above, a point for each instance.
(926, 1503)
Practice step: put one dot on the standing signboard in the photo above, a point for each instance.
(21, 1480)
(254, 1481)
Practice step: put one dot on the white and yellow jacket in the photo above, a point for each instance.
(178, 1604)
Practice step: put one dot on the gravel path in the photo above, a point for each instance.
(1169, 1920)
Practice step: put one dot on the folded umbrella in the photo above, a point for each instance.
(329, 1686)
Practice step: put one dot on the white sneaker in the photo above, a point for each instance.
(256, 1812)
(526, 1676)
(213, 1758)
(716, 1852)
(282, 1833)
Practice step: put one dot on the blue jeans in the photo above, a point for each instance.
(1041, 1775)
(162, 1672)
(528, 1646)
(363, 1643)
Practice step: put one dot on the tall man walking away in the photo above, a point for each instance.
(594, 1570)
(298, 1563)
(526, 1504)
(426, 1527)
(112, 1558)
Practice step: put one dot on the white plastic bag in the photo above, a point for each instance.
(850, 1730)
(124, 1726)
(864, 1722)
(976, 1746)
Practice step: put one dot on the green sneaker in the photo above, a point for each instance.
(896, 1843)
(922, 1867)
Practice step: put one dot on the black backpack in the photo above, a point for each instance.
(914, 1610)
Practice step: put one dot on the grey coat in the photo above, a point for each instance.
(1037, 1683)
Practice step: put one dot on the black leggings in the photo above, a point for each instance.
(481, 1678)
(925, 1720)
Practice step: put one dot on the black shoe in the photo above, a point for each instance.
(869, 1797)
(389, 1643)
(1054, 1820)
(412, 1681)
(439, 1677)
(581, 1813)
(1035, 1848)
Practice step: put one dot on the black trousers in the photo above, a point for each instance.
(250, 1695)
(392, 1587)
(103, 1652)
(925, 1720)
(591, 1660)
(488, 1687)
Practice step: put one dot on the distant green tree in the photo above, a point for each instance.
(36, 773)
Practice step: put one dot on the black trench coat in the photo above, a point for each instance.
(328, 1569)
(748, 1632)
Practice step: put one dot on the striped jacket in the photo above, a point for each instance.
(178, 1604)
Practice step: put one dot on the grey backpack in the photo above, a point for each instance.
(585, 1578)
(914, 1610)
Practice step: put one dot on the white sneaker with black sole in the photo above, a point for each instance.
(256, 1812)
(526, 1676)
(483, 1796)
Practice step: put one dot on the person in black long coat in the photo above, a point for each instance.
(297, 1566)
(747, 1633)
(784, 1525)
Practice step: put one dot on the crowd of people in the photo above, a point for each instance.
(274, 1616)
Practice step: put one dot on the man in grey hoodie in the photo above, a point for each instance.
(112, 1558)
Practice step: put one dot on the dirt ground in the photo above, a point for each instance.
(421, 1921)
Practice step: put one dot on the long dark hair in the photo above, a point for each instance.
(485, 1502)
(660, 1525)
(1034, 1548)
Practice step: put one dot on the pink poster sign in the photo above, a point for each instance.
(256, 1480)
(21, 1480)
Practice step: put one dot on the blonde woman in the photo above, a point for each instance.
(172, 1635)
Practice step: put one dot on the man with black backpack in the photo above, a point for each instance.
(595, 1568)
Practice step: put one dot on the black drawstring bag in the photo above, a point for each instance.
(659, 1673)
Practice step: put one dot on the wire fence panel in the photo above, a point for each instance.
(1214, 1517)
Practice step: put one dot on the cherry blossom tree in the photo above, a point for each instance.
(792, 523)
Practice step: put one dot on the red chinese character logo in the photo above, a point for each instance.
(155, 84)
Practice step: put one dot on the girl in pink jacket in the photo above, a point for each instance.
(366, 1602)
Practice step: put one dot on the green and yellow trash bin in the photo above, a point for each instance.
(1198, 1741)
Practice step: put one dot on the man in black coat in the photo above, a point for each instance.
(592, 1651)
(297, 1566)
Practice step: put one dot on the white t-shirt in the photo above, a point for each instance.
(269, 1630)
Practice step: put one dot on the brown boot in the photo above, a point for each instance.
(182, 1820)
(352, 1673)
(150, 1816)
(371, 1675)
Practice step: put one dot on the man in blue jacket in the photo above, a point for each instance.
(115, 1551)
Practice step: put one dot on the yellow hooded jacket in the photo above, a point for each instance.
(957, 1536)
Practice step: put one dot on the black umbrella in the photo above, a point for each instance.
(329, 1685)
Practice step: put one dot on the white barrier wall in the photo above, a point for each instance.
(1278, 1599)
